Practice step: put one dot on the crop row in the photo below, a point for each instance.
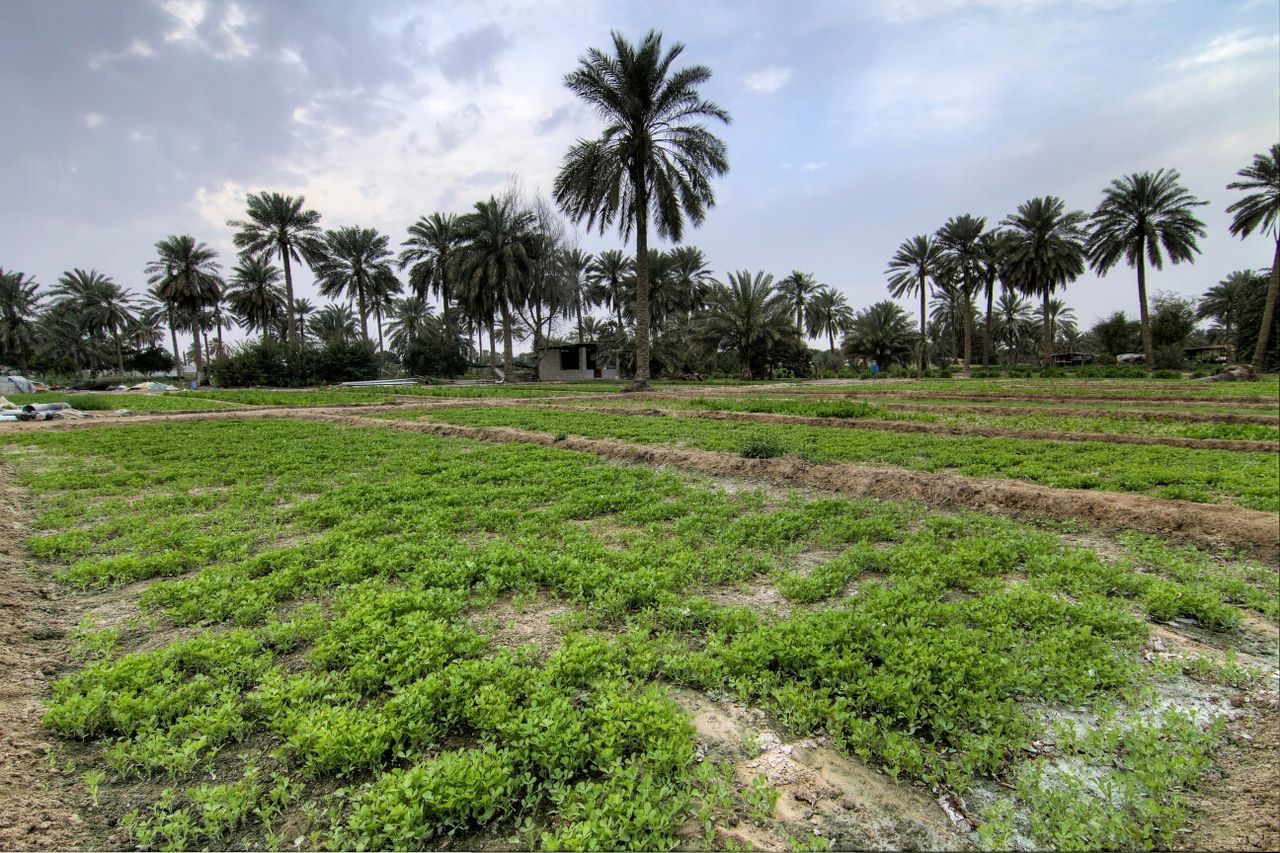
(1246, 479)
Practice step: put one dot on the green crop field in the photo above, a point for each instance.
(360, 638)
(1247, 479)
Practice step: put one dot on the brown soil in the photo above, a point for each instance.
(758, 595)
(1214, 522)
(511, 623)
(941, 429)
(35, 813)
(1239, 807)
(821, 792)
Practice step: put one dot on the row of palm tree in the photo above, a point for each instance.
(1143, 218)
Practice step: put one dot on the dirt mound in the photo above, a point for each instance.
(1217, 523)
(1238, 445)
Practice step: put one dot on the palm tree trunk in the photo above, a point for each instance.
(831, 338)
(115, 333)
(377, 315)
(177, 356)
(617, 303)
(1148, 346)
(364, 316)
(986, 332)
(1047, 332)
(289, 331)
(218, 318)
(199, 356)
(968, 321)
(1268, 315)
(641, 381)
(493, 347)
(924, 339)
(506, 339)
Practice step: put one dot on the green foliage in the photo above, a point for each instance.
(762, 447)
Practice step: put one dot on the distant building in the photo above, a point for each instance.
(1130, 358)
(567, 362)
(1071, 359)
(1214, 353)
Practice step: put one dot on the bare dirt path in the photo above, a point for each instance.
(1121, 395)
(36, 812)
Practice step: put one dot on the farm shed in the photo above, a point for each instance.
(567, 362)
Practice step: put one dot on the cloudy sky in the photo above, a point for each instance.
(856, 124)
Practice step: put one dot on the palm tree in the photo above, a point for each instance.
(828, 313)
(1221, 301)
(745, 316)
(1012, 319)
(573, 267)
(356, 263)
(409, 320)
(499, 249)
(428, 253)
(610, 269)
(256, 296)
(185, 277)
(1260, 211)
(385, 287)
(912, 266)
(1060, 318)
(882, 333)
(959, 249)
(654, 160)
(1044, 251)
(690, 277)
(1138, 215)
(277, 225)
(991, 247)
(593, 328)
(147, 329)
(302, 308)
(101, 304)
(333, 323)
(19, 304)
(798, 287)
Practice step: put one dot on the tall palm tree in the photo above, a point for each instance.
(881, 332)
(102, 305)
(382, 295)
(608, 272)
(19, 305)
(654, 159)
(186, 277)
(910, 269)
(991, 246)
(499, 248)
(1221, 301)
(255, 295)
(573, 267)
(1044, 251)
(744, 316)
(278, 225)
(353, 262)
(828, 313)
(147, 329)
(1138, 215)
(1260, 211)
(798, 287)
(428, 253)
(960, 250)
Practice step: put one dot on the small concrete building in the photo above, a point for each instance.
(569, 362)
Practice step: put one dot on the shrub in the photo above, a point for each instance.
(762, 447)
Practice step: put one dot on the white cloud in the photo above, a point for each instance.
(1229, 46)
(92, 120)
(187, 16)
(767, 80)
(137, 49)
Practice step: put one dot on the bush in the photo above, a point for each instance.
(270, 362)
(762, 447)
